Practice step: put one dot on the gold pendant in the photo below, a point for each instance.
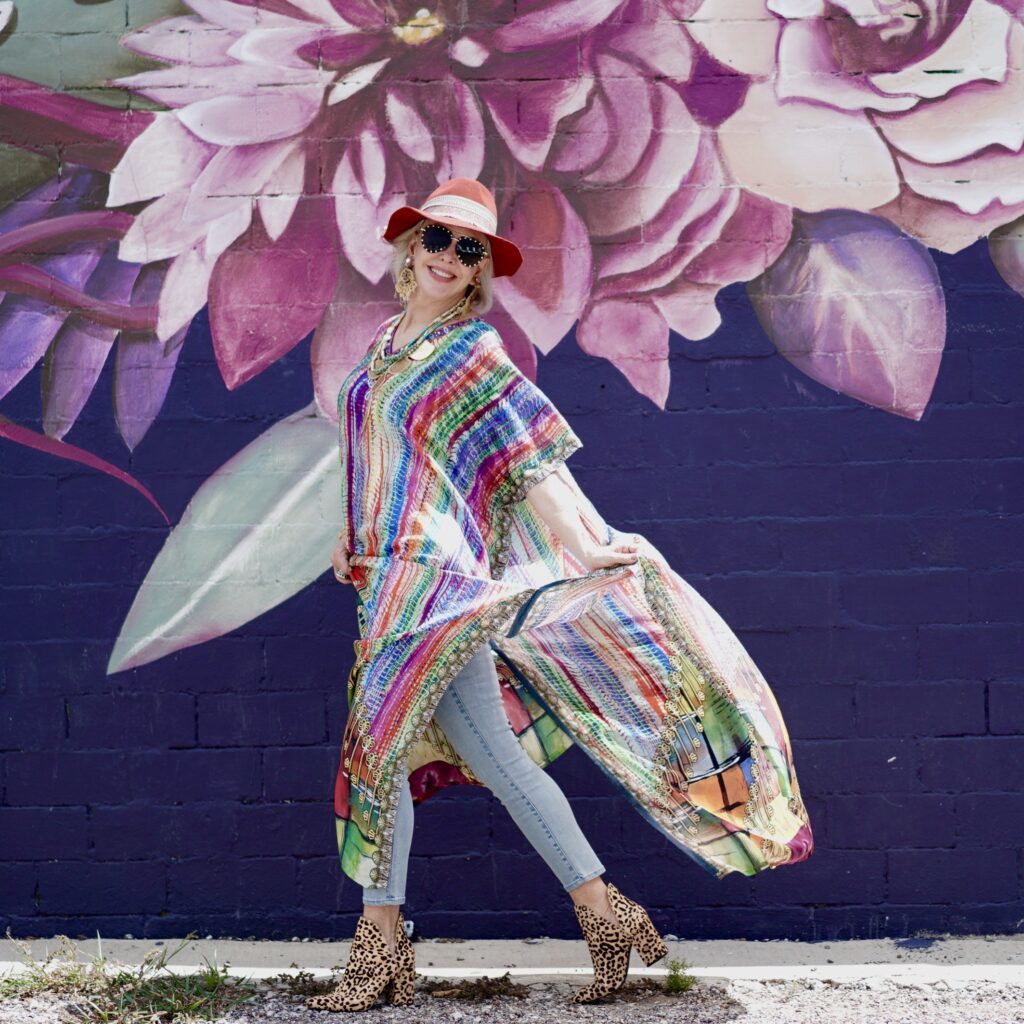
(422, 351)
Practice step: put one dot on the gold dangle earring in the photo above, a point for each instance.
(406, 283)
(467, 302)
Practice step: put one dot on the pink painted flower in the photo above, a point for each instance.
(296, 128)
(914, 111)
(668, 228)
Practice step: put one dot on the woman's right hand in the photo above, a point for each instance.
(339, 560)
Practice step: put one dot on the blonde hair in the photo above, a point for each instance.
(484, 298)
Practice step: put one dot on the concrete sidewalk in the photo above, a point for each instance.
(975, 958)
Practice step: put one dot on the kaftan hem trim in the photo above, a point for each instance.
(464, 649)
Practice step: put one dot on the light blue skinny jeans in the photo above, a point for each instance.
(473, 718)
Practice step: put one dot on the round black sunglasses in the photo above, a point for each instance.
(437, 238)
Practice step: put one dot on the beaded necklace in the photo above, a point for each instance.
(419, 348)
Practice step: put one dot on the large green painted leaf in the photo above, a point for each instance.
(260, 529)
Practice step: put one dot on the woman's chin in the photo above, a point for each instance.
(437, 292)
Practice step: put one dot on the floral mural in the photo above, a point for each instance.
(244, 154)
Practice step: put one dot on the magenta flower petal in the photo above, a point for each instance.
(266, 296)
(231, 177)
(659, 47)
(162, 159)
(347, 51)
(182, 40)
(160, 230)
(462, 144)
(858, 306)
(238, 15)
(580, 145)
(550, 289)
(344, 334)
(750, 241)
(526, 112)
(633, 337)
(675, 138)
(411, 133)
(662, 246)
(242, 120)
(360, 218)
(689, 309)
(628, 108)
(550, 22)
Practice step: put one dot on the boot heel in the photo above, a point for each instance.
(639, 926)
(401, 989)
(648, 943)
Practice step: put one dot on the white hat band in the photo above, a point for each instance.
(474, 214)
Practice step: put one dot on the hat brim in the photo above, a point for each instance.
(506, 256)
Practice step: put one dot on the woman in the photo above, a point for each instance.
(467, 538)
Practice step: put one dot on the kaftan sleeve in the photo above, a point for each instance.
(509, 436)
(518, 436)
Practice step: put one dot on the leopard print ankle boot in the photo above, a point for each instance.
(372, 971)
(610, 944)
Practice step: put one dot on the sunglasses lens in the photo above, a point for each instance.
(469, 251)
(436, 238)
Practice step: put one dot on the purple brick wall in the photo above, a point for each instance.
(871, 564)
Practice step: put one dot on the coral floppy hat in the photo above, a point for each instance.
(461, 203)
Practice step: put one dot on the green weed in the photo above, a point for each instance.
(100, 992)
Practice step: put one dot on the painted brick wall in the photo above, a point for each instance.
(871, 564)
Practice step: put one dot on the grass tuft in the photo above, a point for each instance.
(98, 991)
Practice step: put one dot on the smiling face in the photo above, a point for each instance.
(442, 275)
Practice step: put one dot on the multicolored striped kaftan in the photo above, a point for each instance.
(628, 661)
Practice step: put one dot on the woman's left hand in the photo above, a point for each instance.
(609, 555)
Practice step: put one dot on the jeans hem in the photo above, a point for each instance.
(585, 878)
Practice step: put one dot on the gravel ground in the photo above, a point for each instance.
(767, 1002)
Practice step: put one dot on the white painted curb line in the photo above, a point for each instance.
(925, 974)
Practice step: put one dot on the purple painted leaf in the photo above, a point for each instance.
(858, 306)
(1006, 250)
(143, 366)
(78, 353)
(29, 325)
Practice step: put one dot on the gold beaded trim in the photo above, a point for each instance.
(453, 662)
